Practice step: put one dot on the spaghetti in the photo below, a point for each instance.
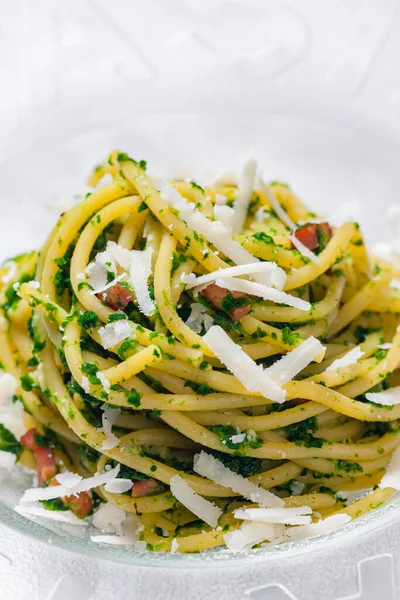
(195, 366)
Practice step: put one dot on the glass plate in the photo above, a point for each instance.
(327, 163)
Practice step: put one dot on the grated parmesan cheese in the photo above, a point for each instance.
(12, 269)
(212, 231)
(109, 518)
(226, 215)
(58, 491)
(104, 381)
(250, 534)
(97, 270)
(350, 358)
(119, 486)
(140, 272)
(68, 479)
(238, 438)
(395, 284)
(212, 468)
(198, 318)
(290, 365)
(199, 506)
(314, 529)
(263, 291)
(261, 214)
(388, 397)
(252, 376)
(120, 254)
(85, 384)
(108, 418)
(220, 199)
(391, 478)
(114, 333)
(55, 515)
(275, 276)
(286, 516)
(284, 217)
(244, 193)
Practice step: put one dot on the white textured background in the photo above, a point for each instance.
(81, 64)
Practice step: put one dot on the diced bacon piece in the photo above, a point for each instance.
(44, 457)
(81, 504)
(308, 234)
(117, 297)
(216, 296)
(145, 487)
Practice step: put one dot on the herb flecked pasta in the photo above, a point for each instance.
(143, 338)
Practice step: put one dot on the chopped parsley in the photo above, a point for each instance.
(178, 258)
(302, 433)
(243, 465)
(117, 317)
(196, 186)
(124, 157)
(88, 319)
(226, 432)
(91, 370)
(8, 442)
(289, 337)
(261, 236)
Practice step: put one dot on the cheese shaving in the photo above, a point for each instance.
(108, 517)
(388, 397)
(108, 418)
(212, 468)
(252, 376)
(250, 534)
(284, 217)
(263, 291)
(104, 381)
(55, 515)
(121, 255)
(391, 478)
(199, 506)
(97, 270)
(58, 491)
(290, 365)
(118, 486)
(212, 231)
(174, 546)
(275, 276)
(220, 199)
(244, 193)
(226, 215)
(140, 273)
(198, 318)
(114, 333)
(314, 529)
(350, 358)
(261, 214)
(12, 270)
(286, 516)
(68, 480)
